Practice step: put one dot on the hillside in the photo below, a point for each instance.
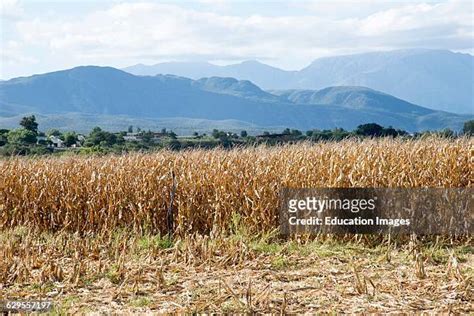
(359, 98)
(112, 92)
(231, 86)
(437, 79)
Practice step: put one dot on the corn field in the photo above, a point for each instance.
(205, 188)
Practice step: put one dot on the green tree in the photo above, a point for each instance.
(3, 137)
(219, 134)
(147, 137)
(172, 135)
(389, 131)
(243, 134)
(371, 129)
(130, 129)
(468, 128)
(14, 150)
(173, 144)
(448, 133)
(54, 132)
(338, 134)
(21, 136)
(99, 137)
(70, 138)
(295, 132)
(29, 123)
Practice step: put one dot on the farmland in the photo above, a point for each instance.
(90, 232)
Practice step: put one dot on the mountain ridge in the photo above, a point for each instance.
(109, 91)
(437, 79)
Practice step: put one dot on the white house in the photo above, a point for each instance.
(57, 142)
(131, 137)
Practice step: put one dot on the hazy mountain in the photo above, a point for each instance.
(263, 75)
(232, 86)
(112, 92)
(193, 70)
(358, 98)
(436, 79)
(108, 91)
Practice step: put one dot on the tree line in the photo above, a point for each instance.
(28, 140)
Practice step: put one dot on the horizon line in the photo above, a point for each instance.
(210, 62)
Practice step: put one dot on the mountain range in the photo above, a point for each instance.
(108, 92)
(437, 79)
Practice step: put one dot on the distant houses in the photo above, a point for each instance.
(154, 137)
(273, 136)
(56, 142)
(81, 139)
(53, 141)
(130, 137)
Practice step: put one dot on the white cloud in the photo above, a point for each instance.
(345, 8)
(217, 5)
(12, 55)
(127, 33)
(10, 9)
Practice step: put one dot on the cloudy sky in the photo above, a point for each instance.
(41, 36)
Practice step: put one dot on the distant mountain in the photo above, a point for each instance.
(437, 79)
(263, 75)
(111, 92)
(231, 86)
(193, 70)
(356, 98)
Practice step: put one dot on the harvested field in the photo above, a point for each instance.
(126, 274)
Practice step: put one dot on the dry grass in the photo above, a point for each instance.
(85, 232)
(126, 273)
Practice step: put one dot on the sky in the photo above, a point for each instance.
(43, 36)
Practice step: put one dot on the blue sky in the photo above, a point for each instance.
(41, 36)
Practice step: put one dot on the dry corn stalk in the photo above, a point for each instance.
(100, 194)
